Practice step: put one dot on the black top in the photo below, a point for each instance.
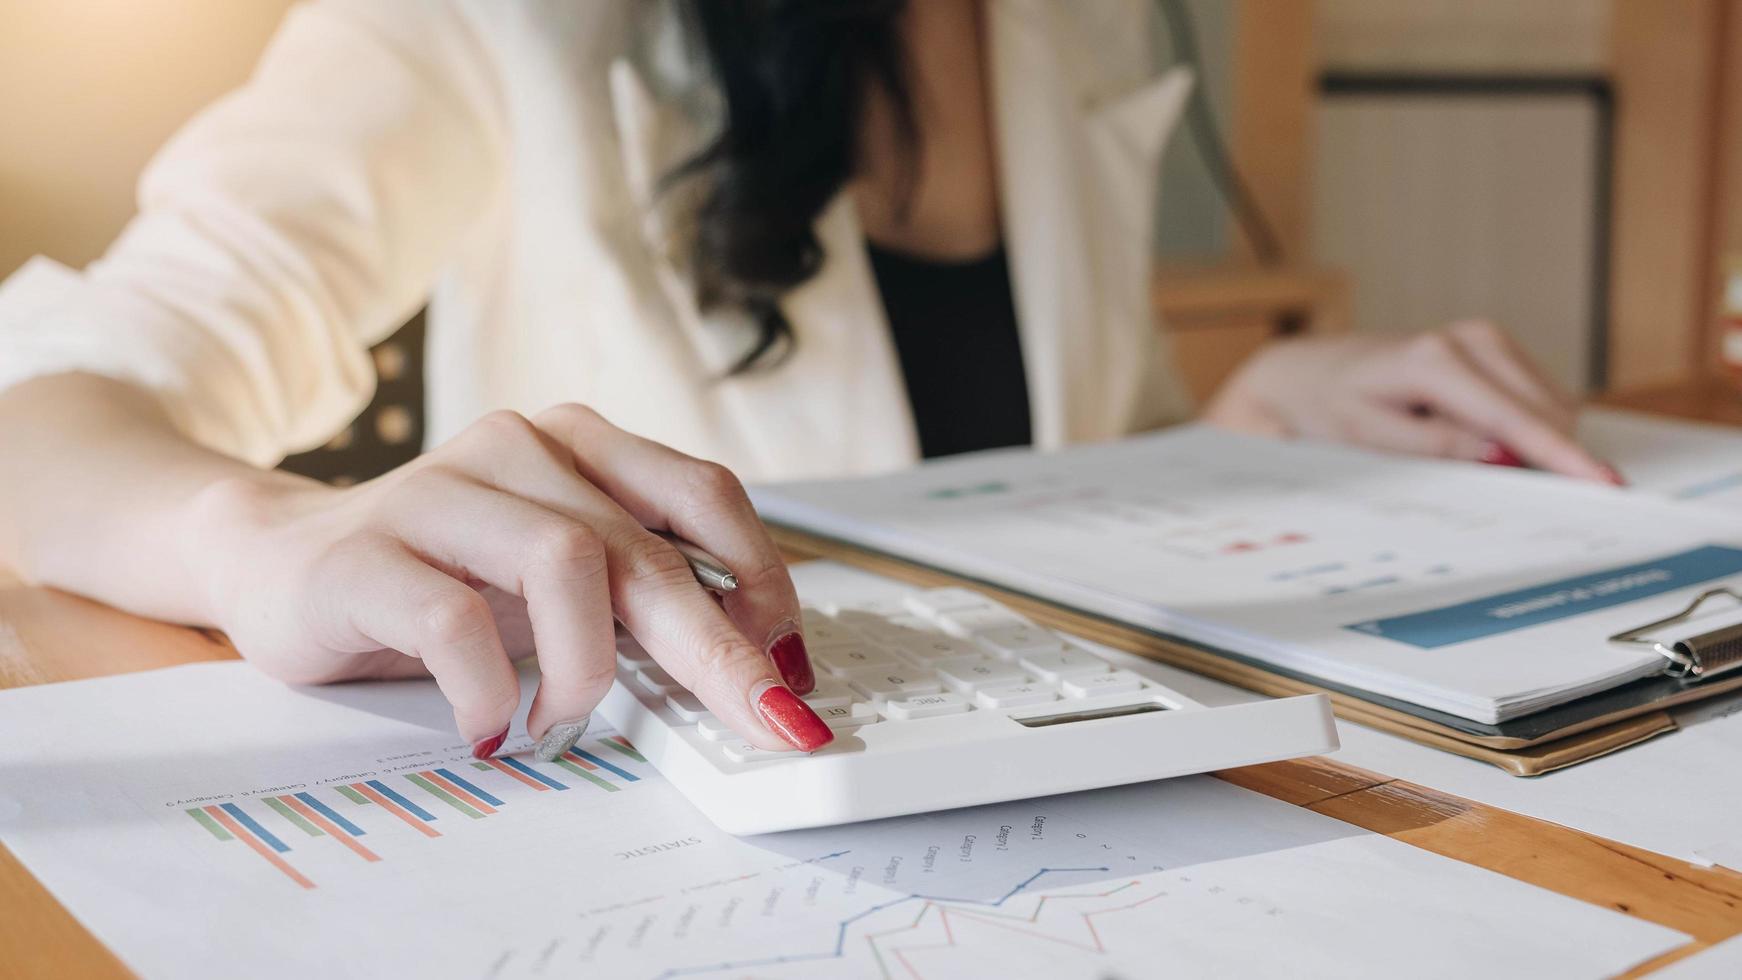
(954, 325)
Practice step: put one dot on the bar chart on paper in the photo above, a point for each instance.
(273, 826)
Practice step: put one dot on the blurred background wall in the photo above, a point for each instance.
(88, 89)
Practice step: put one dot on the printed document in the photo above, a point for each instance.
(1483, 592)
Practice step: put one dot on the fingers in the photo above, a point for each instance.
(654, 594)
(659, 601)
(1236, 411)
(1443, 377)
(378, 594)
(1494, 352)
(555, 563)
(703, 502)
(1416, 435)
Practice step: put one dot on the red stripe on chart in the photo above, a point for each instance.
(331, 828)
(502, 767)
(395, 809)
(229, 823)
(575, 758)
(462, 794)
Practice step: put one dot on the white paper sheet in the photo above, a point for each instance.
(1194, 875)
(1477, 591)
(1694, 462)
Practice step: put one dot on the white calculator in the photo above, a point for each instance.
(946, 698)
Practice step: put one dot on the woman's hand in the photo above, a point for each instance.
(1464, 392)
(517, 530)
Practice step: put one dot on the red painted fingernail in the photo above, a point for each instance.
(1499, 454)
(484, 748)
(789, 717)
(1613, 475)
(794, 664)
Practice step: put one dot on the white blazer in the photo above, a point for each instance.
(499, 160)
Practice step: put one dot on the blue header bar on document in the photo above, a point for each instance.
(1508, 611)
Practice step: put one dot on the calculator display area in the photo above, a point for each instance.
(1091, 714)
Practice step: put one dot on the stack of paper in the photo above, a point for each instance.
(1482, 592)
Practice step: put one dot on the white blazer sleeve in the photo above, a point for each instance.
(287, 228)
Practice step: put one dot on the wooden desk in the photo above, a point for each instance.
(1706, 399)
(46, 636)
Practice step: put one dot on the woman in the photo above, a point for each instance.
(791, 236)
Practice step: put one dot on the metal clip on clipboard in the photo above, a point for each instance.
(1695, 656)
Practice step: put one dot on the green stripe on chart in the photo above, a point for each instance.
(353, 795)
(622, 747)
(589, 777)
(445, 796)
(481, 765)
(294, 817)
(206, 821)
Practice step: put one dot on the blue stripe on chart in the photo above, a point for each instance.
(331, 814)
(468, 787)
(254, 828)
(513, 763)
(418, 811)
(602, 764)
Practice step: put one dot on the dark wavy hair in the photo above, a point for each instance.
(794, 77)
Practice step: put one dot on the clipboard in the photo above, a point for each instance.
(1700, 663)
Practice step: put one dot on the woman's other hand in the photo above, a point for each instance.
(519, 532)
(1463, 392)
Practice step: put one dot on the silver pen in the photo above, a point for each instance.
(710, 571)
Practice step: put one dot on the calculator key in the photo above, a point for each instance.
(1011, 641)
(633, 662)
(827, 634)
(1053, 667)
(685, 705)
(935, 602)
(865, 615)
(714, 730)
(940, 647)
(657, 681)
(968, 676)
(1010, 697)
(899, 629)
(892, 606)
(845, 660)
(745, 752)
(1094, 685)
(880, 685)
(966, 622)
(926, 706)
(849, 715)
(828, 694)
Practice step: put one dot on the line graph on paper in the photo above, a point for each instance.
(1072, 881)
(918, 936)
